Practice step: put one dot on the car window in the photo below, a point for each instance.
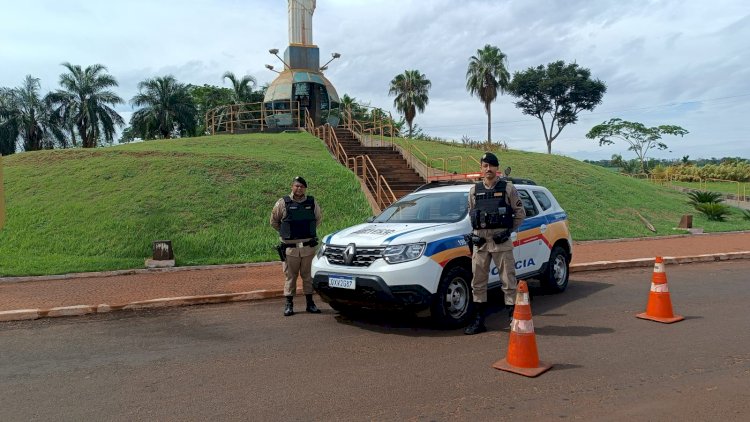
(528, 203)
(444, 207)
(543, 200)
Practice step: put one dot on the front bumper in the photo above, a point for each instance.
(372, 292)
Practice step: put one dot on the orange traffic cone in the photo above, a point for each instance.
(659, 306)
(522, 357)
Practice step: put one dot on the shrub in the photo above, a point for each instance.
(713, 211)
(746, 214)
(704, 197)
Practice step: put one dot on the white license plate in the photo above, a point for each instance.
(341, 282)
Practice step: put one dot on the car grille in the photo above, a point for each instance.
(363, 257)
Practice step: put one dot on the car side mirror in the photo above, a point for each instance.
(370, 219)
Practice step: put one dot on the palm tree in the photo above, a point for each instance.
(85, 102)
(166, 105)
(8, 122)
(242, 88)
(411, 90)
(486, 76)
(26, 116)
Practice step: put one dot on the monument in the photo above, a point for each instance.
(301, 88)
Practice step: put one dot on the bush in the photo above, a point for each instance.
(746, 214)
(703, 197)
(713, 211)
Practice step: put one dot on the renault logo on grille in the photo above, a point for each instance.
(349, 253)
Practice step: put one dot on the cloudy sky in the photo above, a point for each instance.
(664, 62)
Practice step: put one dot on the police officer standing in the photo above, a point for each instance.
(296, 217)
(495, 210)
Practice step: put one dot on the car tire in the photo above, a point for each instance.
(555, 280)
(452, 306)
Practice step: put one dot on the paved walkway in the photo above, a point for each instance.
(78, 294)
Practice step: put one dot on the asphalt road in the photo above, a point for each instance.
(245, 361)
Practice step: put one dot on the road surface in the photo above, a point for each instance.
(245, 361)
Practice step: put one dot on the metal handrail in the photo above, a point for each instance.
(381, 185)
(233, 117)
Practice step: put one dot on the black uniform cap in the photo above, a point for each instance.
(300, 180)
(490, 159)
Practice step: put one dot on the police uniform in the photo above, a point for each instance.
(501, 253)
(296, 220)
(495, 210)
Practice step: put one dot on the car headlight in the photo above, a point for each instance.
(321, 251)
(402, 253)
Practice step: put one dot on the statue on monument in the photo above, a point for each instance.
(300, 21)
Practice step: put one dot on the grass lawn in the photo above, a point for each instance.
(90, 210)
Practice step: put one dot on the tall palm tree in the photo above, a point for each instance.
(411, 90)
(165, 105)
(486, 76)
(8, 122)
(26, 116)
(242, 88)
(86, 101)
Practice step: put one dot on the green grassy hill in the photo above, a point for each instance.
(89, 210)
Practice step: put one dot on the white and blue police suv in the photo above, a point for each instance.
(413, 255)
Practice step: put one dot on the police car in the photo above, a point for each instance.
(413, 256)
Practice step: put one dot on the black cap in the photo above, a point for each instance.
(490, 159)
(300, 180)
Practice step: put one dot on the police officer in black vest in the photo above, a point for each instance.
(496, 210)
(296, 218)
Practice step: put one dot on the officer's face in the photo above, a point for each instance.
(489, 171)
(298, 189)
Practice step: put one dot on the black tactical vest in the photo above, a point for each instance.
(299, 222)
(491, 207)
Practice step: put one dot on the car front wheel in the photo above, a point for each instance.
(452, 307)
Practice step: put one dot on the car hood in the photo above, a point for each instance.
(372, 234)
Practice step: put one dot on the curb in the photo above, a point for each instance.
(77, 310)
(132, 271)
(647, 262)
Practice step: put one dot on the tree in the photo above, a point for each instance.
(559, 90)
(411, 90)
(85, 101)
(207, 98)
(486, 76)
(166, 105)
(640, 138)
(27, 117)
(242, 89)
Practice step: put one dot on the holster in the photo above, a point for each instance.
(281, 249)
(474, 240)
(501, 237)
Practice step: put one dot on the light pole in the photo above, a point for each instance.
(334, 56)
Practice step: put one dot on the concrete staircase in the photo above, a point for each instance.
(389, 163)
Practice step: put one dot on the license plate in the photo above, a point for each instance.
(341, 282)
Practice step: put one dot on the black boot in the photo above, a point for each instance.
(289, 308)
(311, 305)
(511, 309)
(477, 326)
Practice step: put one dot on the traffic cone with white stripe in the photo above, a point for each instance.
(522, 356)
(659, 306)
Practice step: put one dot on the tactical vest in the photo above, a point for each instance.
(299, 222)
(491, 207)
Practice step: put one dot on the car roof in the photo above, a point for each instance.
(460, 187)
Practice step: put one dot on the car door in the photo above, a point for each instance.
(530, 248)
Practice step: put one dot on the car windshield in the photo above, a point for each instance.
(444, 207)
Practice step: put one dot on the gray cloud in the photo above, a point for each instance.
(663, 61)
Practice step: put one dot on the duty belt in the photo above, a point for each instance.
(311, 242)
